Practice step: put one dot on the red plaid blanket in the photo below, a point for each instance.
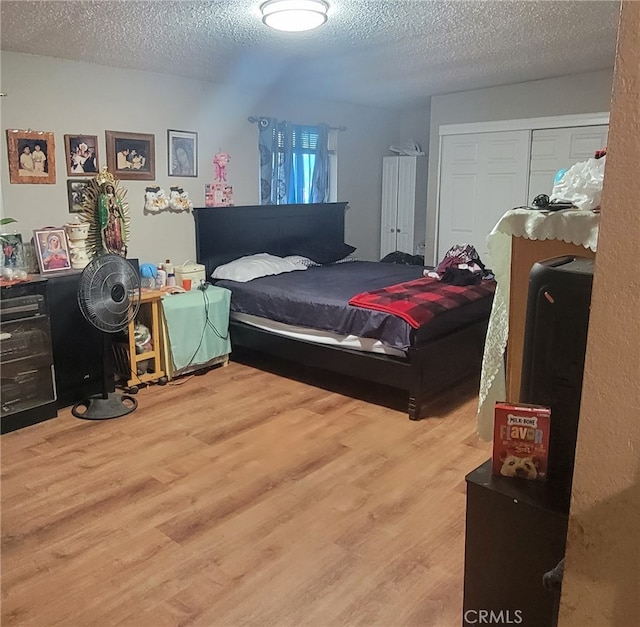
(421, 300)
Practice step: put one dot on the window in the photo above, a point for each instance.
(296, 165)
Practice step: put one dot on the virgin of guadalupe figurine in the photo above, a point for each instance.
(105, 209)
(111, 219)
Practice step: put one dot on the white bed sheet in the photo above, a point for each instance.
(367, 345)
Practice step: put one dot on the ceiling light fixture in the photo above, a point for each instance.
(294, 15)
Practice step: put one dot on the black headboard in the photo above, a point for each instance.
(226, 233)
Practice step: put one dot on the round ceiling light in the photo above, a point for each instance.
(294, 15)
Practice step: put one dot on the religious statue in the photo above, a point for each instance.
(111, 220)
(105, 209)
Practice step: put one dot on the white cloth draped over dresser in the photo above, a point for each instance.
(573, 226)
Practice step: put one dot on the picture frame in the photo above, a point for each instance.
(81, 154)
(182, 153)
(131, 156)
(12, 250)
(32, 157)
(52, 250)
(76, 194)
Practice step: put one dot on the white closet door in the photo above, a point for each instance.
(406, 204)
(389, 205)
(482, 175)
(558, 148)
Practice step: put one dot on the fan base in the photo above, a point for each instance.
(100, 408)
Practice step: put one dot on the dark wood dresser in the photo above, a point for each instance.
(515, 533)
(77, 344)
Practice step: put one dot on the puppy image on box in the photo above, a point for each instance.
(522, 467)
(521, 441)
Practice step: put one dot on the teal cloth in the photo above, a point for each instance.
(192, 339)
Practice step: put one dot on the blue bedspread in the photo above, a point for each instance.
(318, 298)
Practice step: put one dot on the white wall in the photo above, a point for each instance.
(66, 97)
(580, 93)
(414, 125)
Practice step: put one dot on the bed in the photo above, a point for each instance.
(421, 361)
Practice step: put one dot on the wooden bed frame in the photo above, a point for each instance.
(226, 233)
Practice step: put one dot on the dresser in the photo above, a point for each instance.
(515, 533)
(518, 240)
(28, 388)
(77, 344)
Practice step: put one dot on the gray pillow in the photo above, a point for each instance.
(324, 253)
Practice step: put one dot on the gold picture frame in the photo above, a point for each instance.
(32, 157)
(131, 156)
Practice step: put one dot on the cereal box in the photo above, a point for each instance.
(521, 441)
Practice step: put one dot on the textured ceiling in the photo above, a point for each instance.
(390, 53)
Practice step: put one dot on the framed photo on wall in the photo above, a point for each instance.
(81, 152)
(52, 250)
(32, 156)
(131, 156)
(76, 192)
(182, 147)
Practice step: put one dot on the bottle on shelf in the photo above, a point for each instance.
(171, 280)
(161, 278)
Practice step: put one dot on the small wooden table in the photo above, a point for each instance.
(149, 313)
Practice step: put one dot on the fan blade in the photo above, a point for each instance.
(109, 293)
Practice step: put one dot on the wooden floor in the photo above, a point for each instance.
(240, 497)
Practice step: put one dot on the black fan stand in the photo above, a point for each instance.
(108, 404)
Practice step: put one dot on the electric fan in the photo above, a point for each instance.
(109, 298)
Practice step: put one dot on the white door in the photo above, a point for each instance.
(557, 148)
(406, 204)
(389, 205)
(482, 175)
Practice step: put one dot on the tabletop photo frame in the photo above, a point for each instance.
(12, 250)
(52, 250)
(182, 149)
(131, 156)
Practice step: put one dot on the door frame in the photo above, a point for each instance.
(521, 124)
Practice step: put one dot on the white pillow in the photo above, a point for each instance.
(255, 266)
(346, 259)
(300, 260)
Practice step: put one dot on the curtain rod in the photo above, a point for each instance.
(254, 120)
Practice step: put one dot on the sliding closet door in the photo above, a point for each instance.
(557, 148)
(482, 175)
